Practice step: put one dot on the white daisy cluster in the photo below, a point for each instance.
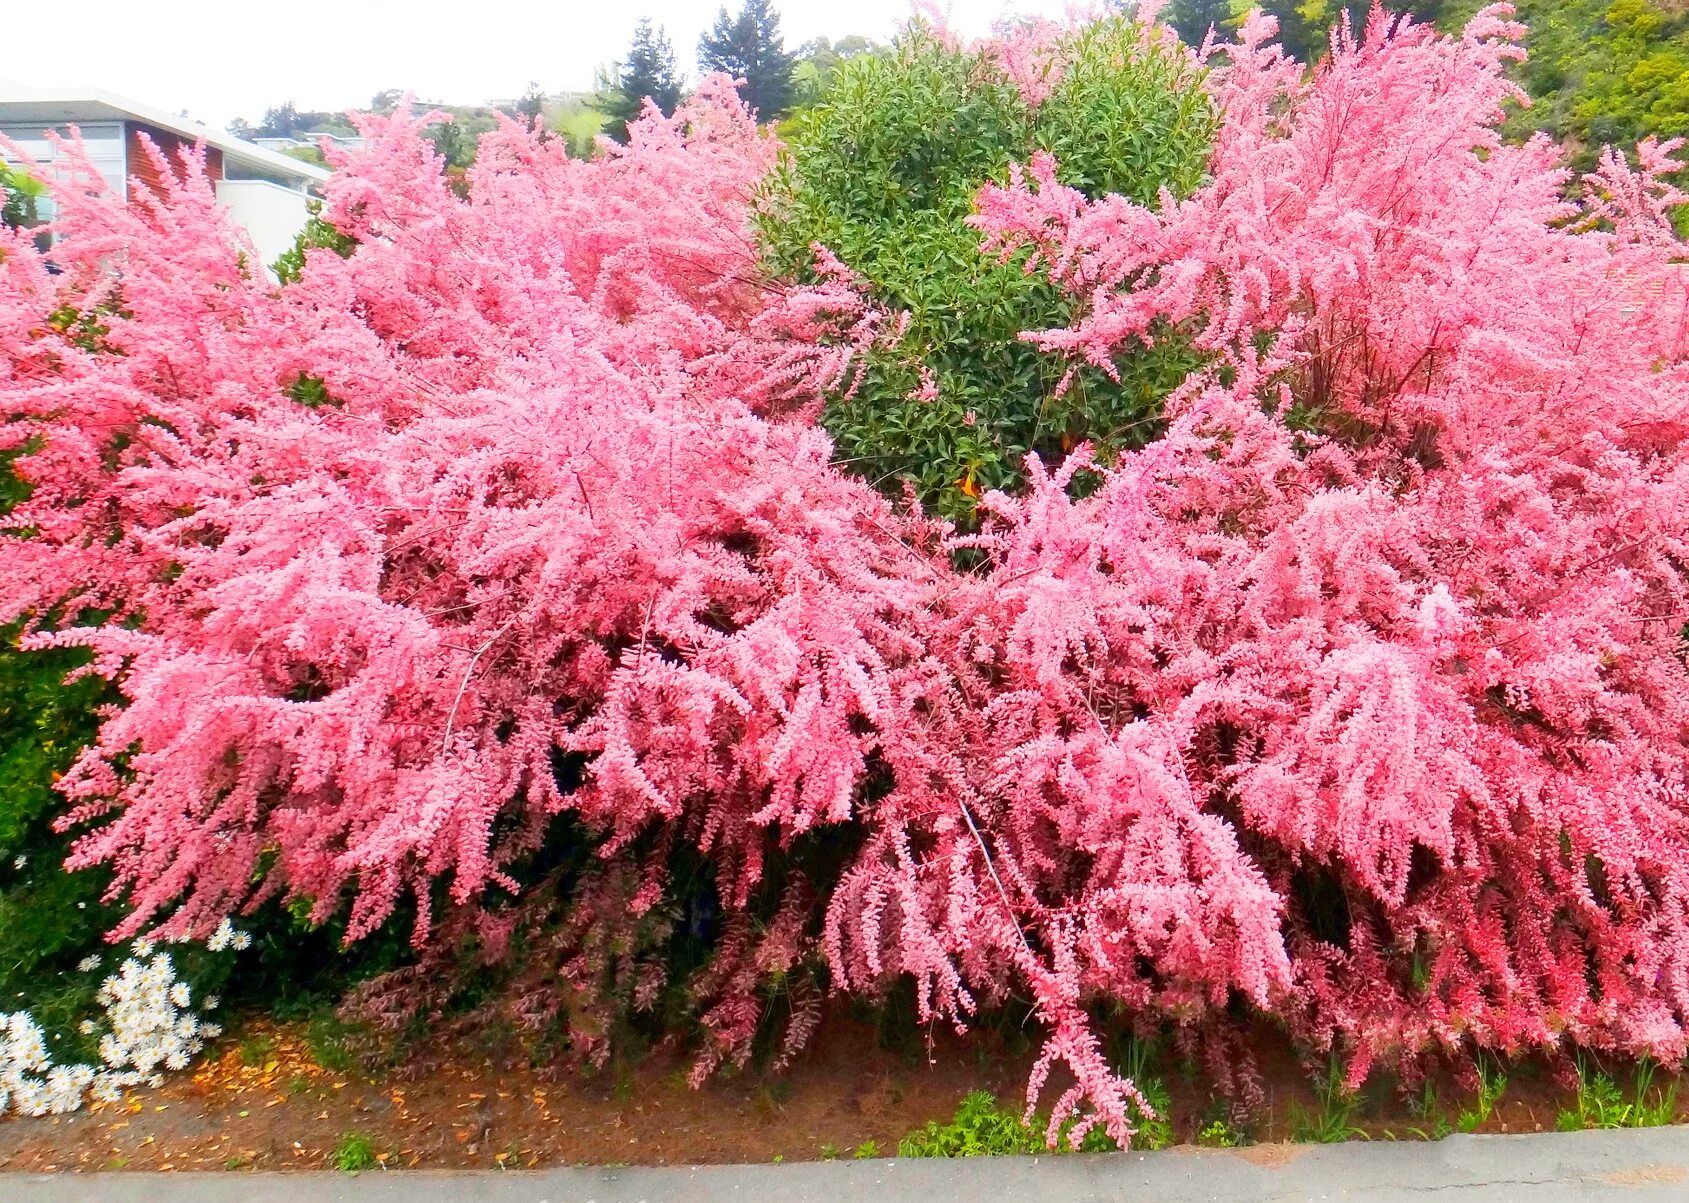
(227, 937)
(29, 1081)
(149, 1024)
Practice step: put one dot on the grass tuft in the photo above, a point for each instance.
(354, 1153)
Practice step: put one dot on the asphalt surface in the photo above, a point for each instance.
(1647, 1164)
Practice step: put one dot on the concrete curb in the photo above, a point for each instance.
(1639, 1164)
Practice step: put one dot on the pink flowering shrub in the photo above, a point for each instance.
(1402, 591)
(1359, 698)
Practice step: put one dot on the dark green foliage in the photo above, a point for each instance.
(42, 724)
(49, 919)
(467, 123)
(452, 144)
(530, 106)
(1192, 19)
(1304, 26)
(884, 174)
(749, 48)
(1124, 122)
(290, 265)
(282, 121)
(285, 120)
(310, 391)
(20, 196)
(649, 73)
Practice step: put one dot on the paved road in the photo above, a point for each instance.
(1651, 1164)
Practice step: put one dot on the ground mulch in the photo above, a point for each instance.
(283, 1110)
(287, 1111)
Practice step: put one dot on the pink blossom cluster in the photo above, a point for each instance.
(1035, 54)
(1401, 594)
(1392, 615)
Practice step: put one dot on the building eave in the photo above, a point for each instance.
(22, 105)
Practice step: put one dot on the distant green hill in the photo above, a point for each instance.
(1606, 71)
(1600, 72)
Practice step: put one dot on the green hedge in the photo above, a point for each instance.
(884, 174)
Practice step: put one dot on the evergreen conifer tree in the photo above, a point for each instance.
(648, 72)
(531, 106)
(749, 47)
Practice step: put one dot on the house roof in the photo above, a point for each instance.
(24, 105)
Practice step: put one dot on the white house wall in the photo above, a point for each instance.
(271, 215)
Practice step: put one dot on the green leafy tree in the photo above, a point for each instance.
(289, 267)
(817, 60)
(1304, 26)
(1193, 18)
(452, 144)
(649, 73)
(287, 120)
(749, 47)
(884, 173)
(581, 118)
(282, 121)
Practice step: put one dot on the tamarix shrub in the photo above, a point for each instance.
(1357, 699)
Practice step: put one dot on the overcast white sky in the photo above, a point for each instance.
(220, 59)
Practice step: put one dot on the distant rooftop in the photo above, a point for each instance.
(22, 105)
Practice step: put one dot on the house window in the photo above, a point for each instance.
(234, 169)
(102, 141)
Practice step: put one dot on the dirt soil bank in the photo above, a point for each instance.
(262, 1101)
